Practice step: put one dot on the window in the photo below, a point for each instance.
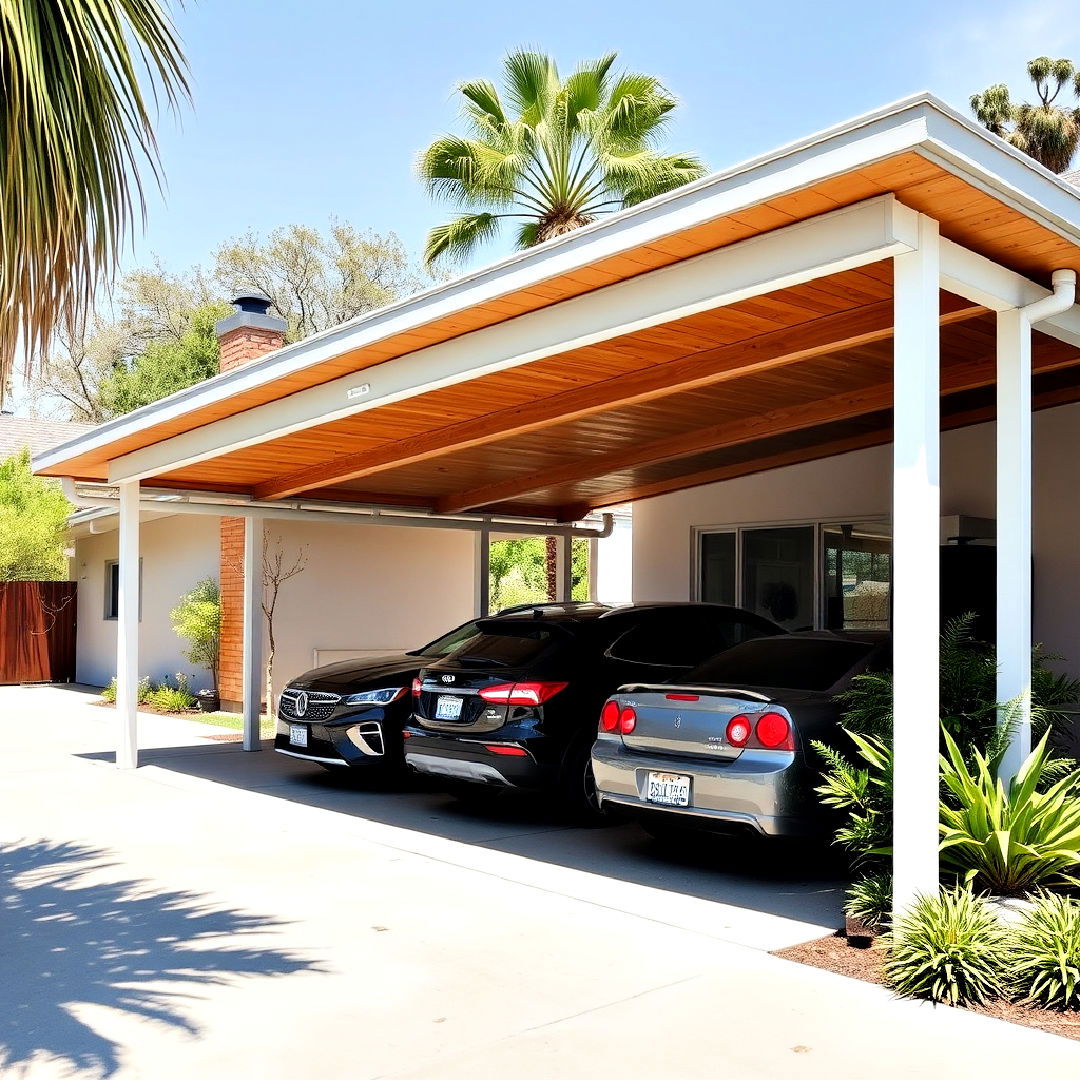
(112, 589)
(508, 646)
(827, 575)
(446, 644)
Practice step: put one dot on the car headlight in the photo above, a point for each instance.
(376, 697)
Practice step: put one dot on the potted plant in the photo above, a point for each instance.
(197, 620)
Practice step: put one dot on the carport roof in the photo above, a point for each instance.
(588, 371)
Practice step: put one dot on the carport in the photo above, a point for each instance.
(871, 284)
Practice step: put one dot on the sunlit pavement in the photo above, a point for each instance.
(216, 914)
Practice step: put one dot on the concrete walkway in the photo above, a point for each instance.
(221, 914)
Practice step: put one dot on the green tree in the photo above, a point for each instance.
(552, 153)
(197, 619)
(33, 513)
(317, 280)
(165, 366)
(1048, 131)
(75, 131)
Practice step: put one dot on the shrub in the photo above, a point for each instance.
(109, 693)
(869, 899)
(197, 619)
(172, 699)
(142, 691)
(1009, 842)
(947, 948)
(1044, 954)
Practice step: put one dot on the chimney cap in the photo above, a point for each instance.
(253, 300)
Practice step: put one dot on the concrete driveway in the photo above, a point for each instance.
(218, 914)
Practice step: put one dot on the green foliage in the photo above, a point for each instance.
(863, 793)
(160, 696)
(1049, 132)
(197, 619)
(33, 513)
(81, 80)
(518, 571)
(1044, 954)
(550, 152)
(1009, 842)
(947, 948)
(869, 899)
(165, 366)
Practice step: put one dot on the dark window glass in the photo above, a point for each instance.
(508, 647)
(792, 662)
(778, 575)
(676, 639)
(449, 642)
(718, 568)
(858, 572)
(112, 590)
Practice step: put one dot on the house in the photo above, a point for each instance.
(805, 372)
(18, 433)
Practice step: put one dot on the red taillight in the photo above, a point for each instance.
(774, 732)
(416, 686)
(627, 721)
(609, 716)
(507, 751)
(738, 731)
(406, 734)
(682, 697)
(522, 693)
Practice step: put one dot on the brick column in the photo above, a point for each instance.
(244, 336)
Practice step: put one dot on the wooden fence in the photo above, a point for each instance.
(37, 631)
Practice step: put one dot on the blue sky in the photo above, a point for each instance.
(303, 111)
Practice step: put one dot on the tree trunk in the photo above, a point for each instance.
(551, 566)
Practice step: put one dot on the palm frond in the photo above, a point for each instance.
(457, 239)
(76, 129)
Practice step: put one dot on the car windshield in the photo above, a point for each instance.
(797, 663)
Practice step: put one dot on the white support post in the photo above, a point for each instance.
(1014, 533)
(127, 629)
(483, 570)
(253, 669)
(564, 568)
(916, 569)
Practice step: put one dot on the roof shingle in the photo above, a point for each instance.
(40, 435)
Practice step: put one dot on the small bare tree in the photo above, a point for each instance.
(277, 569)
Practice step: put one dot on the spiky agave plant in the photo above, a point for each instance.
(76, 127)
(550, 153)
(1044, 953)
(1047, 131)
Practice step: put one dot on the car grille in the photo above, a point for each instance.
(318, 704)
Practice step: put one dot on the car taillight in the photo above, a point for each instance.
(683, 697)
(609, 716)
(627, 721)
(522, 693)
(774, 732)
(417, 684)
(738, 731)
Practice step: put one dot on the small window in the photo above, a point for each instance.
(112, 589)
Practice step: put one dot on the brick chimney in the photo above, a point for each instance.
(248, 333)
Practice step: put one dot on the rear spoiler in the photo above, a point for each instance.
(672, 688)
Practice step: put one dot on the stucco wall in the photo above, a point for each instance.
(176, 553)
(364, 589)
(857, 484)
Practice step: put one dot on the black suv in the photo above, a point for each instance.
(517, 704)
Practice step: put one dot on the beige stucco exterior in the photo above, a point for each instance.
(859, 485)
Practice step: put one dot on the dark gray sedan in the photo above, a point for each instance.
(728, 748)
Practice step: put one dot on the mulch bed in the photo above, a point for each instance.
(151, 709)
(833, 953)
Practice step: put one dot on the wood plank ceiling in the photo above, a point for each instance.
(800, 373)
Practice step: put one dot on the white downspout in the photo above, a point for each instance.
(1014, 532)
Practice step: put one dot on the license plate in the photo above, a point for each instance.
(448, 708)
(298, 735)
(668, 789)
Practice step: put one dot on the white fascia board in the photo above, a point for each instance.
(842, 240)
(985, 282)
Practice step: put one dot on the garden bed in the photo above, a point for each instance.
(833, 953)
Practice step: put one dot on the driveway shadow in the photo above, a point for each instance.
(69, 936)
(797, 882)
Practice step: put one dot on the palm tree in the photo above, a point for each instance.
(1048, 132)
(557, 154)
(75, 129)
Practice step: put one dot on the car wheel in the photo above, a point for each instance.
(577, 785)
